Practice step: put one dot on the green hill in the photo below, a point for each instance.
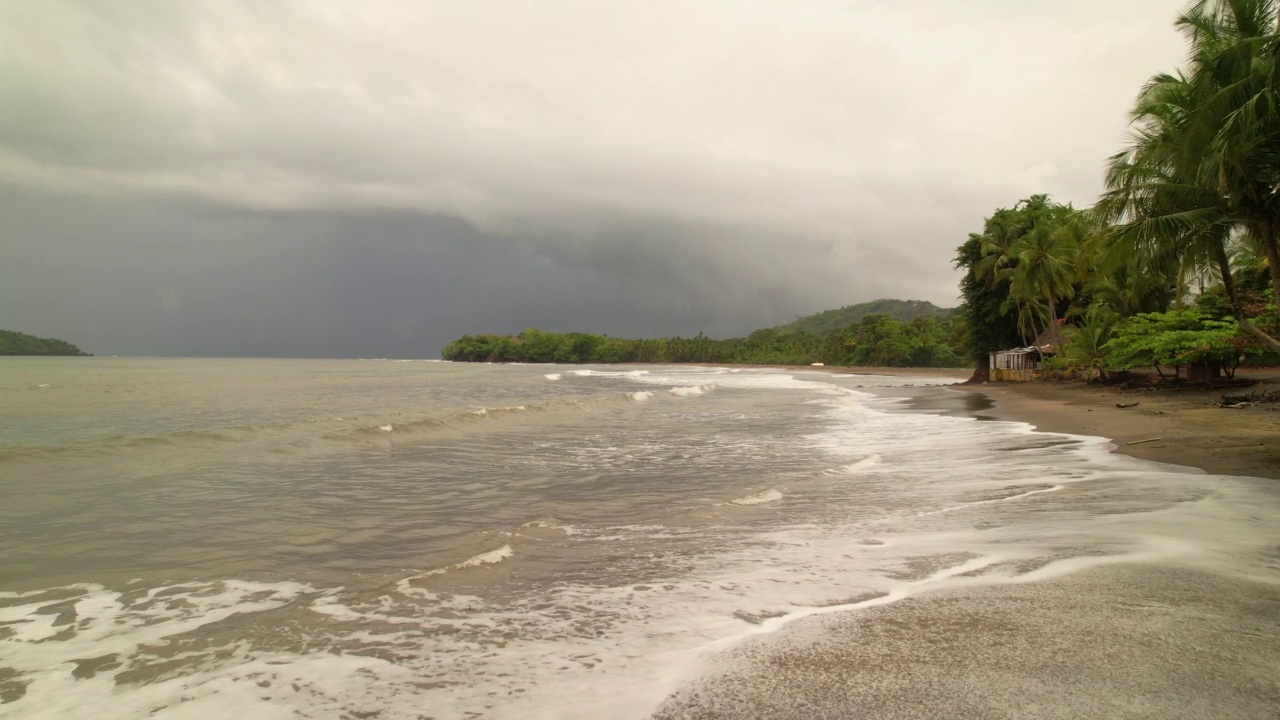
(829, 321)
(16, 343)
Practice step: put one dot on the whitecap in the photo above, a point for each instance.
(692, 390)
(768, 496)
(493, 557)
(640, 396)
(862, 464)
(552, 376)
(386, 428)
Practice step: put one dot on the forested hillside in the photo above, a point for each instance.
(829, 321)
(16, 343)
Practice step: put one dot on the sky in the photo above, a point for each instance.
(374, 179)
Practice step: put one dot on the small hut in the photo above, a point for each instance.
(1023, 363)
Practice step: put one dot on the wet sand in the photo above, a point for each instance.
(1191, 429)
(1185, 426)
(1114, 642)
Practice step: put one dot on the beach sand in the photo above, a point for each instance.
(1186, 426)
(1159, 640)
(1127, 641)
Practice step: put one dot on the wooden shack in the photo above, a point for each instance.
(1024, 363)
(1015, 365)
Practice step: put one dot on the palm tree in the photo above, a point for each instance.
(1046, 267)
(1204, 158)
(1087, 346)
(1235, 76)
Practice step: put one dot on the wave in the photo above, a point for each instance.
(429, 425)
(487, 412)
(856, 467)
(640, 396)
(124, 442)
(760, 498)
(552, 376)
(692, 390)
(610, 373)
(492, 557)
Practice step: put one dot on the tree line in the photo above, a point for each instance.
(16, 343)
(1178, 262)
(876, 340)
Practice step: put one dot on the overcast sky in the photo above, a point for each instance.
(374, 178)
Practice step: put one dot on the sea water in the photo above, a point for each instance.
(391, 539)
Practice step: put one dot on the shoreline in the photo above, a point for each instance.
(1183, 426)
(1177, 427)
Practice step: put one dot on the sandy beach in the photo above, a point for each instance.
(1176, 634)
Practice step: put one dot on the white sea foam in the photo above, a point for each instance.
(855, 467)
(552, 376)
(492, 557)
(640, 396)
(386, 428)
(760, 498)
(692, 390)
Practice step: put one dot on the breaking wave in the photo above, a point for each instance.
(855, 467)
(760, 498)
(493, 557)
(692, 390)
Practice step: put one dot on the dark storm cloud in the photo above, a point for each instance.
(375, 178)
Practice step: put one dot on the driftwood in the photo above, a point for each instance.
(1127, 405)
(1236, 402)
(1139, 442)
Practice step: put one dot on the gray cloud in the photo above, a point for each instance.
(373, 178)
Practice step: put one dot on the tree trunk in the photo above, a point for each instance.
(1229, 285)
(981, 373)
(1053, 323)
(1273, 258)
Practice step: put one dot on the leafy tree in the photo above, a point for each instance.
(1175, 338)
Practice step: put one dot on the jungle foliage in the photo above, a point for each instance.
(1178, 263)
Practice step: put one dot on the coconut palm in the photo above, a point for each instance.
(1204, 156)
(1045, 267)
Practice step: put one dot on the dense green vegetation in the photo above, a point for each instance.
(1179, 261)
(830, 321)
(16, 343)
(874, 340)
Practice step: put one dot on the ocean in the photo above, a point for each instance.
(195, 538)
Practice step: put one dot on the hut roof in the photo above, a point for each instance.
(1046, 342)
